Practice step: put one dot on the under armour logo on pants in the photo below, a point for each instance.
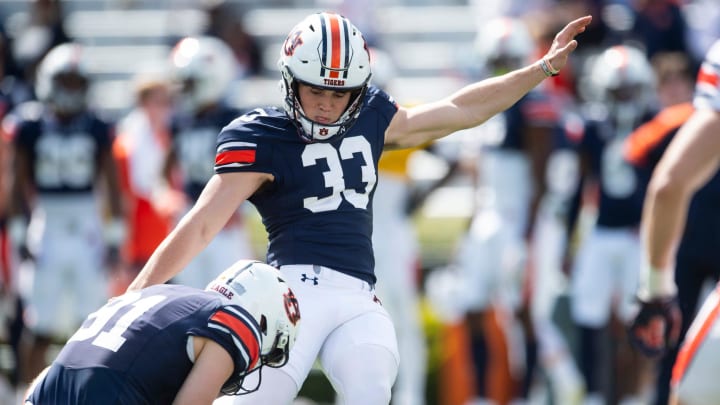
(306, 278)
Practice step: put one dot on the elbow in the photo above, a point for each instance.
(205, 234)
(667, 187)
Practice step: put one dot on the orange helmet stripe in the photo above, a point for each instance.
(336, 46)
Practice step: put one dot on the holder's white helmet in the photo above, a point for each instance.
(260, 289)
(205, 67)
(504, 44)
(62, 79)
(327, 51)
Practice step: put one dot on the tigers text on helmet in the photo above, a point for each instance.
(504, 44)
(62, 79)
(260, 290)
(326, 51)
(204, 67)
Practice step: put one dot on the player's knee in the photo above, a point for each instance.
(376, 392)
(377, 371)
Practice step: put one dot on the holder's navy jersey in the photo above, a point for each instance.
(318, 210)
(133, 350)
(64, 158)
(193, 141)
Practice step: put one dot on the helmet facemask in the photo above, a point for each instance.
(311, 130)
(275, 358)
(69, 93)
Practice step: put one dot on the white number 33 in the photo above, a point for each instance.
(334, 177)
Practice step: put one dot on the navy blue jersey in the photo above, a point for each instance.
(534, 109)
(563, 172)
(64, 157)
(621, 185)
(133, 350)
(318, 209)
(5, 104)
(193, 141)
(646, 146)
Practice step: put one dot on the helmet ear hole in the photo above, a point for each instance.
(263, 324)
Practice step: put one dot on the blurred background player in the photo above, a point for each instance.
(689, 164)
(620, 95)
(140, 150)
(696, 261)
(510, 182)
(203, 67)
(64, 180)
(10, 305)
(176, 344)
(227, 23)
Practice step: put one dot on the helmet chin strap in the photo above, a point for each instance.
(237, 388)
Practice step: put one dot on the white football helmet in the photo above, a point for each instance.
(327, 51)
(260, 289)
(62, 79)
(622, 79)
(204, 67)
(504, 44)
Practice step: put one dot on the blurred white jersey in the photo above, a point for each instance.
(707, 87)
(492, 255)
(697, 366)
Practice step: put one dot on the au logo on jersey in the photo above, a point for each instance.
(293, 41)
(323, 131)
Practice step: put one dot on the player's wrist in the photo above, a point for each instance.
(656, 282)
(547, 67)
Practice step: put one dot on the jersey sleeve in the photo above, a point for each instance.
(242, 148)
(707, 86)
(22, 126)
(237, 332)
(382, 102)
(644, 147)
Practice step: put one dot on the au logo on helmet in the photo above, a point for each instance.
(292, 42)
(292, 308)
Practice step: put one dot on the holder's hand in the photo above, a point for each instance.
(656, 327)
